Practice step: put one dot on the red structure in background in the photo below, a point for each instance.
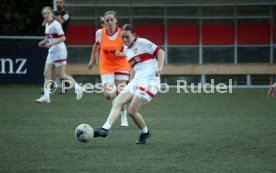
(212, 34)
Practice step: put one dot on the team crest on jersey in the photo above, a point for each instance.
(135, 51)
(150, 44)
(137, 59)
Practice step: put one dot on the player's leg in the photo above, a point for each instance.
(45, 98)
(133, 108)
(53, 77)
(121, 78)
(144, 94)
(108, 82)
(117, 104)
(60, 71)
(120, 85)
(109, 91)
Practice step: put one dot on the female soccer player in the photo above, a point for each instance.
(114, 70)
(144, 82)
(57, 54)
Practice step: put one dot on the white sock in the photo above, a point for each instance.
(46, 93)
(123, 115)
(77, 87)
(144, 130)
(107, 125)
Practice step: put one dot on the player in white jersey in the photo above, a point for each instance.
(144, 81)
(57, 55)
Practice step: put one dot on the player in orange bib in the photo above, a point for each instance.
(114, 70)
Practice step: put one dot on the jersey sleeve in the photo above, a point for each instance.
(59, 30)
(98, 36)
(149, 47)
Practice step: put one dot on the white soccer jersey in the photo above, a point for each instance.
(53, 31)
(141, 56)
(57, 54)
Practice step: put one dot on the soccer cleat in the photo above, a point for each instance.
(143, 138)
(79, 93)
(100, 132)
(43, 99)
(124, 123)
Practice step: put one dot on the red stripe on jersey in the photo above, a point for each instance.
(60, 60)
(156, 51)
(140, 58)
(54, 35)
(122, 73)
(146, 91)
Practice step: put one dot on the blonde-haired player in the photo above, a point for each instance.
(114, 70)
(57, 54)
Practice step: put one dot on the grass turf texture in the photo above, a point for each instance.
(203, 133)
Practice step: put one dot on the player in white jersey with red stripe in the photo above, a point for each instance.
(144, 81)
(57, 55)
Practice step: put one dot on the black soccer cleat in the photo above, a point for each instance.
(143, 138)
(100, 132)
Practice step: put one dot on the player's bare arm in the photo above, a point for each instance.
(119, 53)
(59, 19)
(42, 43)
(95, 50)
(161, 58)
(57, 41)
(132, 74)
(44, 22)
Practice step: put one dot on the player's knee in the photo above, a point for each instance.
(110, 96)
(61, 76)
(47, 74)
(131, 111)
(117, 103)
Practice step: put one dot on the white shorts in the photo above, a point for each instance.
(57, 57)
(144, 89)
(114, 77)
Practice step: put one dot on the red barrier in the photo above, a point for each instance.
(81, 34)
(253, 34)
(218, 34)
(154, 33)
(212, 34)
(183, 34)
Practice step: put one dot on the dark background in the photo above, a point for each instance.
(22, 17)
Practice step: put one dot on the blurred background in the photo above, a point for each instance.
(203, 39)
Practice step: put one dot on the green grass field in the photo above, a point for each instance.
(193, 133)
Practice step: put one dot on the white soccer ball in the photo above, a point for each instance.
(84, 133)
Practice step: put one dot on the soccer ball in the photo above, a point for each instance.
(84, 133)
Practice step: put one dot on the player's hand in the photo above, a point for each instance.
(90, 65)
(119, 53)
(158, 72)
(41, 44)
(47, 45)
(272, 91)
(57, 17)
